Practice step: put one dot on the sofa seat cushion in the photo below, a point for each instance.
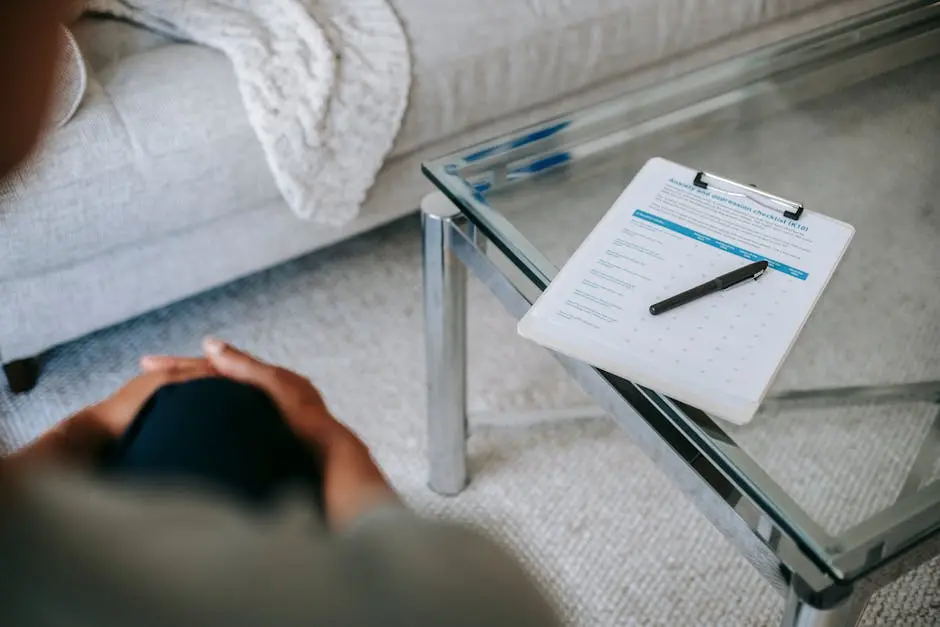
(162, 143)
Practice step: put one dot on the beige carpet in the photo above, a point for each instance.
(583, 507)
(581, 504)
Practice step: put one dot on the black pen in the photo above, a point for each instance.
(750, 271)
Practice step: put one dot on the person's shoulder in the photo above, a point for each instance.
(466, 575)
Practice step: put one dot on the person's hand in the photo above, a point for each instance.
(353, 483)
(82, 437)
(299, 402)
(115, 413)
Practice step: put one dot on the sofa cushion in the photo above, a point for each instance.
(162, 143)
(478, 61)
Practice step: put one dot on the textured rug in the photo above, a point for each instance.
(584, 508)
(586, 511)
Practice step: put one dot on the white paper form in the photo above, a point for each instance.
(663, 236)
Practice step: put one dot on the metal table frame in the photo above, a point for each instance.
(451, 246)
(827, 579)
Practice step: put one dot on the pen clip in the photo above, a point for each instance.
(746, 277)
(753, 277)
(790, 209)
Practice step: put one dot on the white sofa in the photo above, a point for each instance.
(157, 189)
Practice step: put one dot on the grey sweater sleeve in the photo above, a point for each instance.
(79, 553)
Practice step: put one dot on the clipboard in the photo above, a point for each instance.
(672, 228)
(790, 209)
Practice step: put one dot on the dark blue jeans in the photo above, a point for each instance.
(218, 434)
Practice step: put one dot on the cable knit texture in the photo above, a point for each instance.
(324, 82)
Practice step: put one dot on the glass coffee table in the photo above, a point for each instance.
(834, 489)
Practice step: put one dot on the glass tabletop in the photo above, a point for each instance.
(846, 449)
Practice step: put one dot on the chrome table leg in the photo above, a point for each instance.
(445, 332)
(799, 613)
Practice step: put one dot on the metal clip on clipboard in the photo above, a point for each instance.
(790, 209)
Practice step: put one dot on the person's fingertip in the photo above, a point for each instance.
(213, 346)
(152, 362)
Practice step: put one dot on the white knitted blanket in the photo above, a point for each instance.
(324, 82)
